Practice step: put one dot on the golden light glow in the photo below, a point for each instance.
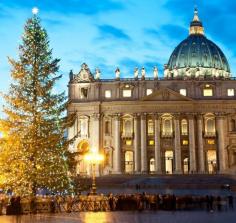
(2, 180)
(127, 93)
(98, 217)
(93, 157)
(207, 92)
(211, 141)
(196, 30)
(185, 142)
(151, 142)
(128, 142)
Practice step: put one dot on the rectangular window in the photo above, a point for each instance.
(127, 93)
(207, 92)
(151, 142)
(150, 127)
(128, 142)
(230, 92)
(148, 91)
(107, 93)
(185, 142)
(183, 92)
(211, 141)
(84, 93)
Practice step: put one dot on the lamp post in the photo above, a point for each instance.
(94, 158)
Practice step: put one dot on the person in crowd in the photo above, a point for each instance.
(69, 202)
(219, 205)
(231, 202)
(17, 205)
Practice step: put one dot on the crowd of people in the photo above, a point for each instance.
(120, 202)
(170, 202)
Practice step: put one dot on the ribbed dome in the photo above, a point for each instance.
(196, 52)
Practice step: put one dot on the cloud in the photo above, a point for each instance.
(111, 32)
(86, 7)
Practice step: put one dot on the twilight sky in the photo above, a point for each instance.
(111, 33)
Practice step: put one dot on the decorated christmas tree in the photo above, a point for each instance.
(33, 145)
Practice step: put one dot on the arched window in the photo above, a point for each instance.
(83, 147)
(150, 127)
(128, 127)
(184, 127)
(167, 126)
(210, 126)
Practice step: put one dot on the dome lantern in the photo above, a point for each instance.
(196, 26)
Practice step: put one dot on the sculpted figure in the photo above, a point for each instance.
(97, 73)
(135, 72)
(155, 72)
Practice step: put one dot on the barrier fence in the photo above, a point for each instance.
(122, 202)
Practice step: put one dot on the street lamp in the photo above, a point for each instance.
(94, 158)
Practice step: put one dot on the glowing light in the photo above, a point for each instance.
(94, 157)
(35, 10)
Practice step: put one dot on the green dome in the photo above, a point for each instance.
(197, 53)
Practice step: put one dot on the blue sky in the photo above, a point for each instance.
(114, 33)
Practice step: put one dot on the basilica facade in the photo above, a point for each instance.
(181, 123)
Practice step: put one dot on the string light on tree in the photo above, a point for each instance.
(35, 148)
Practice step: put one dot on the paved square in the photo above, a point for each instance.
(126, 217)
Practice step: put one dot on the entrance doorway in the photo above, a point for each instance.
(211, 161)
(169, 161)
(152, 165)
(186, 166)
(129, 161)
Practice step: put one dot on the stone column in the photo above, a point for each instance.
(221, 142)
(95, 137)
(157, 145)
(117, 146)
(143, 130)
(192, 149)
(137, 159)
(201, 159)
(231, 157)
(178, 163)
(95, 132)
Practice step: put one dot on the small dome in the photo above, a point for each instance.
(196, 51)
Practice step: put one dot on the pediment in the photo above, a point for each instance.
(166, 94)
(84, 75)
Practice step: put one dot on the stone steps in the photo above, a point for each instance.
(173, 181)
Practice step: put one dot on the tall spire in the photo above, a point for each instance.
(196, 27)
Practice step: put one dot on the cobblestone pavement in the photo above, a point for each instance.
(126, 217)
